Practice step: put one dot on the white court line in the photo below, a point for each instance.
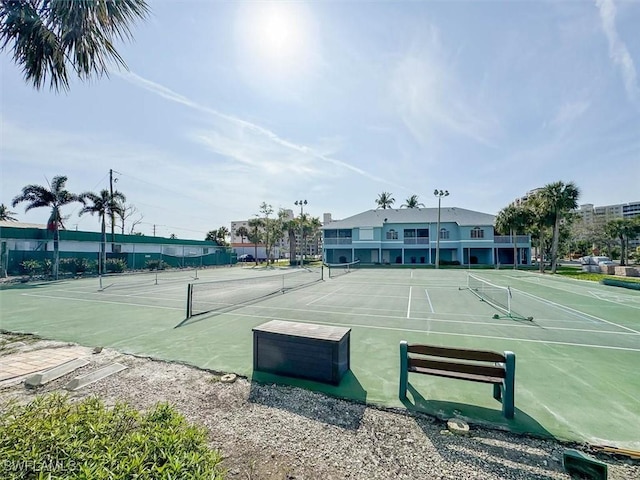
(615, 302)
(588, 294)
(100, 301)
(549, 302)
(431, 319)
(429, 298)
(324, 296)
(409, 302)
(528, 340)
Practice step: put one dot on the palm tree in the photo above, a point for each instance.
(105, 205)
(6, 214)
(255, 234)
(385, 200)
(559, 199)
(290, 226)
(242, 232)
(48, 38)
(412, 202)
(54, 197)
(511, 219)
(221, 235)
(539, 221)
(623, 229)
(311, 228)
(212, 236)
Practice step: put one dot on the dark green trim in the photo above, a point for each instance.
(621, 283)
(81, 236)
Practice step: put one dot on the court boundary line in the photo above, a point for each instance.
(441, 320)
(582, 294)
(552, 342)
(570, 309)
(409, 303)
(429, 299)
(101, 301)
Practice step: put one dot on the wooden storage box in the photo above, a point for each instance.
(303, 350)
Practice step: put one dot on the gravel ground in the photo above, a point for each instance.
(281, 432)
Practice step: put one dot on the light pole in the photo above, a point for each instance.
(439, 194)
(302, 203)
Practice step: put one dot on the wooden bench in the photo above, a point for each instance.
(474, 365)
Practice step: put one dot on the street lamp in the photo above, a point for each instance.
(302, 203)
(439, 194)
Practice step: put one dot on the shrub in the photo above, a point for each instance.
(156, 265)
(115, 265)
(47, 266)
(31, 267)
(74, 265)
(53, 438)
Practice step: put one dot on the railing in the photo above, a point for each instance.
(509, 238)
(416, 241)
(337, 241)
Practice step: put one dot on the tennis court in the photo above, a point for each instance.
(577, 359)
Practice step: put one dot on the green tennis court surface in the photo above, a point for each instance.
(577, 360)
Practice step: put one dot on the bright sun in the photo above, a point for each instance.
(275, 38)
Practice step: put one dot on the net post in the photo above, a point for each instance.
(189, 299)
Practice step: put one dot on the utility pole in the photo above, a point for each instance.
(154, 229)
(439, 194)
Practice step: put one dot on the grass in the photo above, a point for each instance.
(54, 438)
(577, 273)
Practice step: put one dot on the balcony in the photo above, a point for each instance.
(416, 241)
(337, 241)
(509, 238)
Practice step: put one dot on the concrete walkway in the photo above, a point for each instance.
(21, 364)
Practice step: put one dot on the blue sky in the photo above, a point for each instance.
(230, 104)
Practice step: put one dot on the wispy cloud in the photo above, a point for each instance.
(249, 137)
(429, 96)
(618, 51)
(569, 112)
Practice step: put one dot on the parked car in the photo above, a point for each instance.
(596, 260)
(246, 257)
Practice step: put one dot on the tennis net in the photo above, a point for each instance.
(497, 296)
(223, 295)
(337, 269)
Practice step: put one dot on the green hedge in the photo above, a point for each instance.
(614, 282)
(53, 438)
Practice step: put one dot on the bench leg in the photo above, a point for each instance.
(508, 401)
(404, 367)
(497, 392)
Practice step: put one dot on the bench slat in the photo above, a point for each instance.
(459, 353)
(465, 368)
(457, 375)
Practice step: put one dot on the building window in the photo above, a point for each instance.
(477, 232)
(392, 235)
(117, 249)
(444, 234)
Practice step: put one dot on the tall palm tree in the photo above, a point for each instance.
(412, 202)
(559, 199)
(255, 234)
(311, 228)
(290, 226)
(540, 222)
(6, 214)
(385, 200)
(54, 197)
(48, 37)
(511, 219)
(105, 205)
(623, 229)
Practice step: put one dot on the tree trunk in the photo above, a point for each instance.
(292, 247)
(56, 249)
(622, 251)
(103, 249)
(554, 244)
(515, 251)
(541, 243)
